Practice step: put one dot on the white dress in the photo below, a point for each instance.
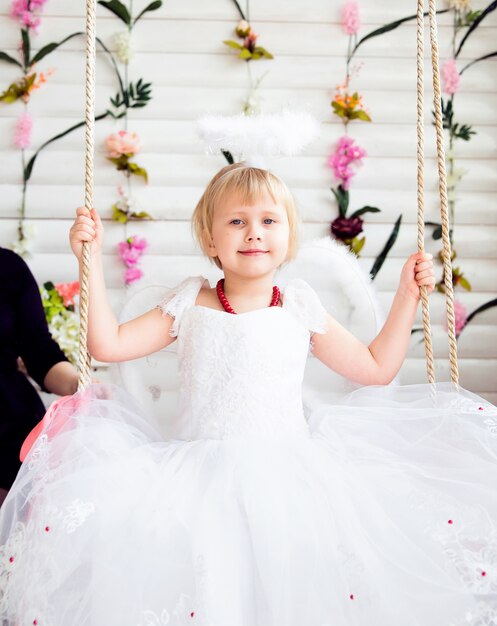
(377, 511)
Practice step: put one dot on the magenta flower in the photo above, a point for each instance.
(461, 317)
(24, 12)
(450, 77)
(346, 154)
(130, 252)
(22, 134)
(132, 274)
(350, 17)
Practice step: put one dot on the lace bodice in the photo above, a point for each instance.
(242, 374)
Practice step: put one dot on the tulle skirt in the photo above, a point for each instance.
(384, 515)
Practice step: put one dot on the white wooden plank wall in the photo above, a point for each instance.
(179, 48)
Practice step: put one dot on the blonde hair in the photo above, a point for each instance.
(249, 184)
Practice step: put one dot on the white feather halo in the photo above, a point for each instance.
(255, 137)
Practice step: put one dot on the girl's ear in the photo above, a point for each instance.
(209, 244)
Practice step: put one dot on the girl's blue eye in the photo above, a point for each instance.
(268, 220)
(236, 221)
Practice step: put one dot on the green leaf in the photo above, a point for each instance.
(6, 57)
(13, 92)
(464, 282)
(118, 9)
(486, 56)
(50, 48)
(138, 171)
(491, 7)
(342, 197)
(153, 6)
(359, 115)
(245, 54)
(233, 44)
(464, 132)
(26, 49)
(387, 28)
(437, 233)
(380, 259)
(358, 245)
(365, 209)
(264, 52)
(118, 215)
(142, 215)
(29, 167)
(338, 108)
(480, 309)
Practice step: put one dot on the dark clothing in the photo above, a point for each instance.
(23, 332)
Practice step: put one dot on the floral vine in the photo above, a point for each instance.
(123, 146)
(465, 22)
(248, 50)
(348, 105)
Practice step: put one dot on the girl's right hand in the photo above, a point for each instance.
(87, 227)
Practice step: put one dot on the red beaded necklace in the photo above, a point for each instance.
(275, 300)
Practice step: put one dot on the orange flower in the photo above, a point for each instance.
(349, 106)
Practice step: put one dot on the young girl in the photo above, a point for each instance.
(377, 511)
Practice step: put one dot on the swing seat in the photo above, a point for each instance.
(342, 285)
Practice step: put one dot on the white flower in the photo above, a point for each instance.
(454, 178)
(64, 328)
(22, 247)
(252, 105)
(124, 46)
(460, 5)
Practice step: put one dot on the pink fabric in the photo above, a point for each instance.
(48, 422)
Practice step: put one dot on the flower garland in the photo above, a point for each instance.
(466, 21)
(348, 155)
(59, 305)
(123, 146)
(249, 50)
(27, 14)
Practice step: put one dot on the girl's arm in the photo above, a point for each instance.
(107, 339)
(378, 363)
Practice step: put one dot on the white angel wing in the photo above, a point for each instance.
(347, 293)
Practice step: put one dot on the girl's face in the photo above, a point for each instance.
(250, 240)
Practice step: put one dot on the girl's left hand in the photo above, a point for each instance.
(418, 270)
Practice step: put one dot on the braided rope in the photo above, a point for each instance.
(447, 252)
(430, 367)
(84, 357)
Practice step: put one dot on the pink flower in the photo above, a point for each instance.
(350, 17)
(22, 135)
(23, 11)
(461, 315)
(130, 252)
(132, 274)
(345, 155)
(450, 77)
(67, 291)
(122, 143)
(140, 244)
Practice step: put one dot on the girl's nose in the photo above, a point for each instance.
(254, 234)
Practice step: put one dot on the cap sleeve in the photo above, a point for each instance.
(302, 301)
(179, 299)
